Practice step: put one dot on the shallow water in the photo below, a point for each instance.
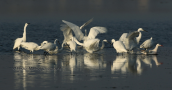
(102, 70)
(83, 71)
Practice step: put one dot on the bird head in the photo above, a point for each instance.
(141, 29)
(27, 23)
(112, 41)
(106, 41)
(44, 42)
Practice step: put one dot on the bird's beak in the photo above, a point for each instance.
(145, 30)
(28, 23)
(162, 45)
(108, 42)
(58, 42)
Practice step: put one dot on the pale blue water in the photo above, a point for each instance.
(83, 71)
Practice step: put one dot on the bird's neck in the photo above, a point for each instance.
(24, 33)
(55, 42)
(85, 33)
(61, 47)
(78, 42)
(103, 45)
(38, 48)
(156, 48)
(139, 37)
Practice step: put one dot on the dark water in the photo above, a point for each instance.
(102, 70)
(39, 32)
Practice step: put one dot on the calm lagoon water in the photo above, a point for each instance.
(83, 71)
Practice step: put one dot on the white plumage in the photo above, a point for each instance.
(147, 44)
(67, 32)
(154, 51)
(94, 31)
(31, 46)
(50, 48)
(91, 44)
(18, 41)
(131, 40)
(119, 46)
(72, 45)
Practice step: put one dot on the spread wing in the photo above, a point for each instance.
(78, 33)
(85, 24)
(132, 35)
(67, 32)
(123, 37)
(94, 31)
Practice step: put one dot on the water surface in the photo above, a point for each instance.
(101, 70)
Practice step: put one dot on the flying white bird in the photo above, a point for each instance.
(19, 40)
(119, 46)
(131, 40)
(147, 44)
(31, 46)
(67, 32)
(154, 51)
(50, 47)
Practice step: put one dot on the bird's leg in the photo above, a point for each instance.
(75, 53)
(45, 53)
(18, 48)
(68, 46)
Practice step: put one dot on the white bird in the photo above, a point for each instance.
(19, 40)
(131, 40)
(50, 47)
(67, 32)
(147, 44)
(154, 51)
(91, 45)
(72, 45)
(94, 31)
(119, 46)
(31, 46)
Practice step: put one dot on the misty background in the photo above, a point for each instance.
(80, 9)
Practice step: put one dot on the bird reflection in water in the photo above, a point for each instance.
(75, 65)
(30, 69)
(133, 63)
(147, 59)
(94, 61)
(126, 62)
(69, 64)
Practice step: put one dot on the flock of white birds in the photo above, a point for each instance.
(127, 43)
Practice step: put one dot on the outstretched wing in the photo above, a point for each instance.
(132, 35)
(85, 24)
(94, 31)
(123, 37)
(67, 32)
(78, 33)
